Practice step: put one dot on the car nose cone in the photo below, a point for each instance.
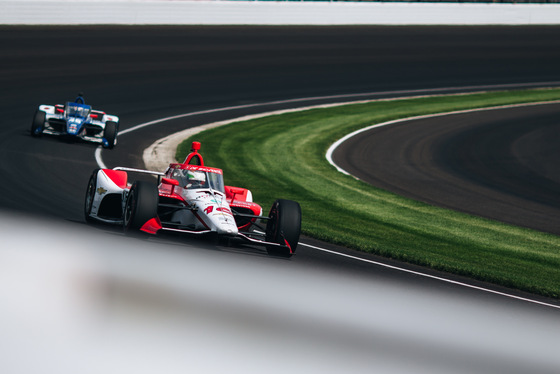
(229, 230)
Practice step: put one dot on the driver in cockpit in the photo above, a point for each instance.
(197, 179)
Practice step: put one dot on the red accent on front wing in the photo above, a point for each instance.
(152, 226)
(118, 177)
(289, 247)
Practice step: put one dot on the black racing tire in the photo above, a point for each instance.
(141, 205)
(90, 195)
(38, 124)
(110, 134)
(284, 225)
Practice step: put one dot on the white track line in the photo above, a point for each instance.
(430, 276)
(102, 165)
(99, 159)
(336, 144)
(417, 93)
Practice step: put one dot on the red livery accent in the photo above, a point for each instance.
(166, 190)
(169, 181)
(236, 193)
(96, 114)
(201, 220)
(118, 177)
(152, 226)
(196, 167)
(194, 156)
(172, 196)
(289, 246)
(224, 210)
(256, 208)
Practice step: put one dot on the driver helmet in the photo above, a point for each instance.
(196, 178)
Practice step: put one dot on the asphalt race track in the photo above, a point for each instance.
(143, 74)
(499, 164)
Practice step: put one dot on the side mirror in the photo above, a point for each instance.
(173, 182)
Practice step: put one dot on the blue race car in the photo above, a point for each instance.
(76, 119)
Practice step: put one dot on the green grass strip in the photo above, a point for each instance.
(283, 156)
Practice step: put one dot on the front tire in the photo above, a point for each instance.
(141, 206)
(90, 195)
(283, 227)
(110, 134)
(38, 123)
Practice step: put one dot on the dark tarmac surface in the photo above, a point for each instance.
(146, 73)
(500, 164)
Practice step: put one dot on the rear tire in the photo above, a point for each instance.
(283, 227)
(110, 134)
(141, 206)
(38, 123)
(90, 195)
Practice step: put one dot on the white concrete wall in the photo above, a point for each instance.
(203, 12)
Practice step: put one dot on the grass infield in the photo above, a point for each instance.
(283, 156)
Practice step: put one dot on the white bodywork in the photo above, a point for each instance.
(105, 187)
(209, 211)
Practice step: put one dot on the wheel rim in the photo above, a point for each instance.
(128, 208)
(89, 196)
(272, 225)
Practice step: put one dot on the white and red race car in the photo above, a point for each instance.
(191, 198)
